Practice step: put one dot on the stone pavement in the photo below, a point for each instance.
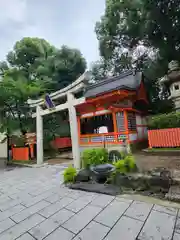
(33, 205)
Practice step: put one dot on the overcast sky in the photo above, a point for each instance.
(69, 22)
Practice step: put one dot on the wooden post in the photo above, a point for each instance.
(115, 125)
(128, 149)
(79, 128)
(126, 124)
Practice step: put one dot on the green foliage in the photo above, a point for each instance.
(126, 165)
(36, 59)
(32, 68)
(120, 166)
(104, 68)
(26, 52)
(68, 65)
(146, 30)
(130, 164)
(123, 154)
(171, 120)
(69, 174)
(94, 156)
(155, 23)
(14, 110)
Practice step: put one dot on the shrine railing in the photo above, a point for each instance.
(111, 138)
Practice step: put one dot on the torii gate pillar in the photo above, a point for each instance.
(74, 130)
(39, 136)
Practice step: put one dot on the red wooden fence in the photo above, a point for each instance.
(25, 153)
(20, 153)
(62, 142)
(164, 137)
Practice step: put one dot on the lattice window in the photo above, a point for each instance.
(96, 139)
(109, 138)
(122, 137)
(120, 121)
(131, 121)
(84, 139)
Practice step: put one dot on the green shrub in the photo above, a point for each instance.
(123, 154)
(130, 164)
(94, 156)
(69, 174)
(126, 165)
(120, 166)
(170, 120)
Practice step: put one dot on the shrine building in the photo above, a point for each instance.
(114, 111)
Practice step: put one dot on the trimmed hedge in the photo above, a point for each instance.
(163, 121)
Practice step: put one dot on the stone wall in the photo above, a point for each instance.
(119, 147)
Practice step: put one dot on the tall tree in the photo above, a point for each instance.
(126, 24)
(63, 67)
(36, 59)
(32, 68)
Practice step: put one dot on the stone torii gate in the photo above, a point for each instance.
(70, 104)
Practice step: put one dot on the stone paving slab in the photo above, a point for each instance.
(8, 204)
(5, 224)
(102, 200)
(53, 198)
(158, 226)
(18, 229)
(10, 212)
(62, 216)
(77, 205)
(176, 236)
(34, 205)
(126, 228)
(33, 200)
(21, 196)
(4, 199)
(93, 230)
(53, 208)
(60, 233)
(81, 219)
(168, 210)
(76, 194)
(139, 210)
(177, 226)
(26, 236)
(29, 211)
(43, 229)
(112, 213)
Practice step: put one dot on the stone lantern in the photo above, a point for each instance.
(172, 82)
